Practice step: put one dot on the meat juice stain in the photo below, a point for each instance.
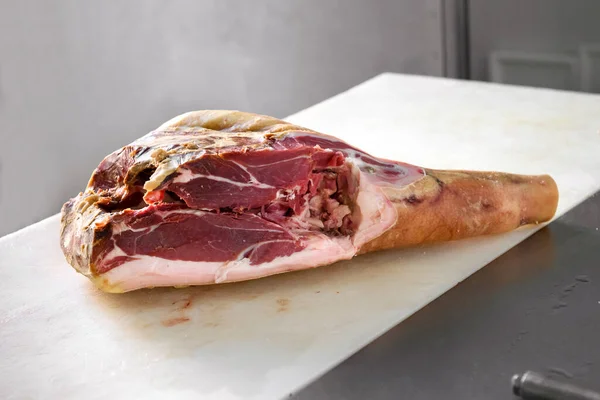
(183, 304)
(175, 321)
(282, 305)
(249, 297)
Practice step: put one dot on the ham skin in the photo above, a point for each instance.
(221, 196)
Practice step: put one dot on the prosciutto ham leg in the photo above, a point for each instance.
(222, 196)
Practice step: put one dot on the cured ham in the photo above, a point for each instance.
(222, 196)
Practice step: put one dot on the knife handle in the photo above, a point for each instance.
(533, 386)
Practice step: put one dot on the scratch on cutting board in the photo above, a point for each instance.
(559, 305)
(513, 344)
(560, 372)
(568, 290)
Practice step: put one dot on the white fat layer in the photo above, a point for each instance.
(147, 271)
(164, 169)
(185, 175)
(377, 212)
(122, 226)
(276, 162)
(242, 167)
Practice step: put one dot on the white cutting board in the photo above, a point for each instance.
(63, 339)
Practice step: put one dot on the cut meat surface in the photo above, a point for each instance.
(223, 196)
(172, 233)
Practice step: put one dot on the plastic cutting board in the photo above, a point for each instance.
(63, 339)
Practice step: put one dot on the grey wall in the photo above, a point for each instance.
(79, 79)
(530, 26)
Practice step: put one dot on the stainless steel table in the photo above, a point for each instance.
(536, 307)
